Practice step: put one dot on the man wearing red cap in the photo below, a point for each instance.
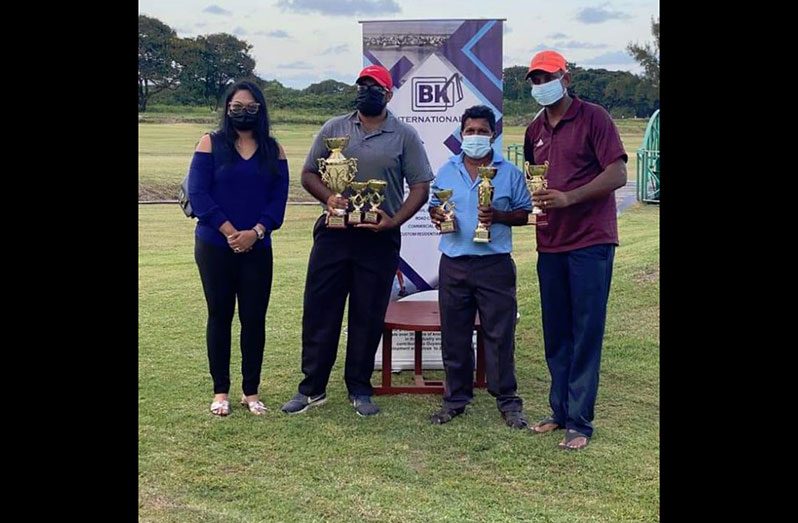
(359, 260)
(587, 163)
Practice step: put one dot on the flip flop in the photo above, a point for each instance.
(445, 415)
(549, 420)
(571, 435)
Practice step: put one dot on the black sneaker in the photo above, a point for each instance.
(515, 419)
(301, 403)
(364, 406)
(445, 415)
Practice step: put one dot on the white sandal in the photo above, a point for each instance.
(220, 408)
(255, 407)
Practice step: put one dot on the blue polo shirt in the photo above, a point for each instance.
(509, 194)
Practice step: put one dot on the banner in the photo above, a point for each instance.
(439, 69)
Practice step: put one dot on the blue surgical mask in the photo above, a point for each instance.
(548, 93)
(476, 145)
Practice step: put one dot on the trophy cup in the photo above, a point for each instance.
(447, 206)
(535, 181)
(375, 198)
(358, 201)
(337, 172)
(485, 195)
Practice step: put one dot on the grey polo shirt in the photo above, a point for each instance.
(393, 153)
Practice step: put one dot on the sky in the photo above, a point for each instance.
(300, 42)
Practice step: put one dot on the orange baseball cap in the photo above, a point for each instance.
(549, 61)
(379, 74)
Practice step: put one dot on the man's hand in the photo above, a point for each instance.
(437, 215)
(336, 202)
(485, 215)
(550, 199)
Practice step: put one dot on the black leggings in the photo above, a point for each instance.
(226, 275)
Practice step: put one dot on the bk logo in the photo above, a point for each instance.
(436, 93)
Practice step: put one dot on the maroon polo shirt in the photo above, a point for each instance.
(582, 145)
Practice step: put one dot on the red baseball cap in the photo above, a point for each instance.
(379, 74)
(548, 61)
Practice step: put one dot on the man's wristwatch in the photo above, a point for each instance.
(259, 232)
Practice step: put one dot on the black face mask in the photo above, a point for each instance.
(243, 121)
(370, 103)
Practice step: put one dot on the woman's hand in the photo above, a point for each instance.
(242, 241)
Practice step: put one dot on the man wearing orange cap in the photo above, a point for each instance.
(360, 260)
(587, 163)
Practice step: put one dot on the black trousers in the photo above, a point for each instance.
(226, 276)
(486, 284)
(354, 262)
(574, 289)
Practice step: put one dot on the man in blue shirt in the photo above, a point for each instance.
(479, 276)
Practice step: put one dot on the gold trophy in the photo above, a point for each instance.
(447, 206)
(358, 201)
(485, 195)
(375, 198)
(337, 172)
(535, 181)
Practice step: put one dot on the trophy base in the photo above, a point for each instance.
(447, 227)
(537, 217)
(482, 235)
(355, 217)
(371, 217)
(336, 222)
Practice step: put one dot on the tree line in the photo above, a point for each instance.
(196, 72)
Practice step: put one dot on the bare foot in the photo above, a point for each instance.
(543, 427)
(575, 444)
(574, 441)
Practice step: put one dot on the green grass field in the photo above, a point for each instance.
(165, 151)
(331, 465)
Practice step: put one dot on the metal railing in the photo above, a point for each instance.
(648, 169)
(515, 154)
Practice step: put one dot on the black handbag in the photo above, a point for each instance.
(182, 199)
(182, 192)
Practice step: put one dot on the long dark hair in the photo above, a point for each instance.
(268, 151)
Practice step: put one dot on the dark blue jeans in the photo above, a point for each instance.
(574, 288)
